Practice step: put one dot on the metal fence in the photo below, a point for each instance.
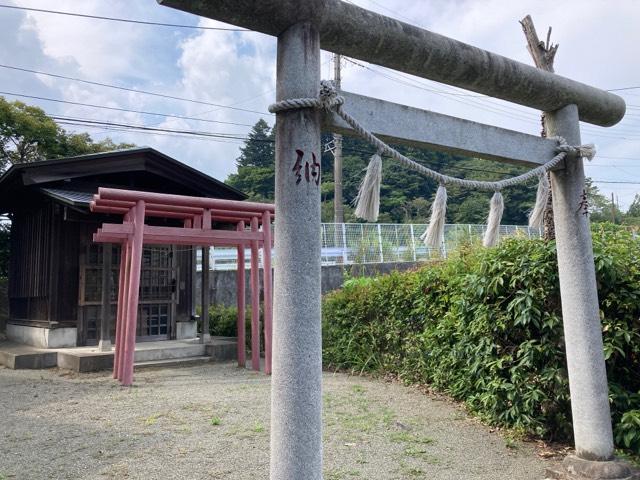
(358, 243)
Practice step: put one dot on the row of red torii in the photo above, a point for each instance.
(253, 229)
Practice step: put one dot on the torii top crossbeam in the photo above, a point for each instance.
(359, 33)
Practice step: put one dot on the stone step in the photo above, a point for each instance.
(170, 352)
(172, 362)
(28, 360)
(222, 350)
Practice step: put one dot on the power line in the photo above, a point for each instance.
(620, 89)
(412, 22)
(235, 137)
(198, 27)
(617, 158)
(125, 20)
(502, 110)
(145, 92)
(81, 121)
(119, 109)
(493, 109)
(393, 12)
(181, 117)
(106, 130)
(612, 181)
(607, 165)
(217, 135)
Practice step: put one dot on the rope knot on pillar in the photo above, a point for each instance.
(587, 151)
(327, 99)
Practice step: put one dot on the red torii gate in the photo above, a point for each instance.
(197, 214)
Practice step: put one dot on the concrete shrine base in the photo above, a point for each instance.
(163, 353)
(575, 468)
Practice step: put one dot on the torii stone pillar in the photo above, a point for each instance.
(296, 385)
(581, 317)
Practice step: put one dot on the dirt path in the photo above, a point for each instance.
(212, 422)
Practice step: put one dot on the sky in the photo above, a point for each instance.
(598, 43)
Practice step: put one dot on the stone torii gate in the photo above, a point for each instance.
(302, 28)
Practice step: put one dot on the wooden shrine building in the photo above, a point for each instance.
(56, 270)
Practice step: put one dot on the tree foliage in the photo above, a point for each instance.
(27, 134)
(601, 208)
(486, 328)
(404, 195)
(258, 150)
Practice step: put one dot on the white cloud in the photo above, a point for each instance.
(597, 45)
(95, 47)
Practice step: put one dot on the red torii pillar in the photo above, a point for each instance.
(197, 214)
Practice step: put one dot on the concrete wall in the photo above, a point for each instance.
(42, 337)
(223, 282)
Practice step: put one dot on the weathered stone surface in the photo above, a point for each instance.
(222, 350)
(359, 33)
(296, 385)
(17, 360)
(395, 123)
(575, 468)
(579, 295)
(185, 330)
(93, 362)
(42, 337)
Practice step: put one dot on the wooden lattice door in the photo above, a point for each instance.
(157, 292)
(157, 301)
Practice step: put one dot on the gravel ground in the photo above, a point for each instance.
(212, 422)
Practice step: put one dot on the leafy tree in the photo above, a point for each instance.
(600, 207)
(72, 144)
(257, 182)
(404, 195)
(27, 134)
(633, 214)
(634, 208)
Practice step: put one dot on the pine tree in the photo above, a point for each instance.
(256, 164)
(258, 150)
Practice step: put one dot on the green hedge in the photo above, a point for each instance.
(486, 328)
(223, 322)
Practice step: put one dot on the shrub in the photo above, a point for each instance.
(223, 321)
(486, 328)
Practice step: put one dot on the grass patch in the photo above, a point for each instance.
(408, 437)
(341, 474)
(152, 419)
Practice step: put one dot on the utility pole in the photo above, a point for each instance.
(613, 209)
(338, 209)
